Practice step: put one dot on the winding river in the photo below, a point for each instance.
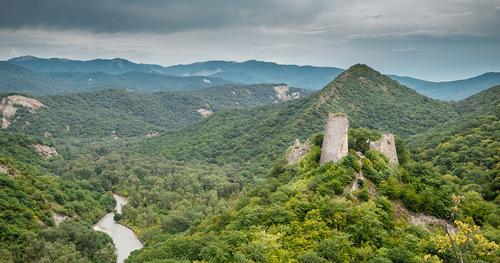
(123, 237)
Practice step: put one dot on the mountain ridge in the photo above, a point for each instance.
(253, 71)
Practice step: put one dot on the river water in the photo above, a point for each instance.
(123, 237)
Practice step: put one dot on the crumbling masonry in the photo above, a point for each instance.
(387, 146)
(297, 151)
(335, 144)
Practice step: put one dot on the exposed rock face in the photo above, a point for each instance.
(58, 218)
(282, 93)
(5, 170)
(297, 152)
(387, 146)
(8, 109)
(150, 134)
(205, 112)
(335, 145)
(45, 151)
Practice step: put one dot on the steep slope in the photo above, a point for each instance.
(116, 112)
(451, 90)
(20, 79)
(32, 201)
(261, 134)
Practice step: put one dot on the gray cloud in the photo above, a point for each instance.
(393, 36)
(154, 15)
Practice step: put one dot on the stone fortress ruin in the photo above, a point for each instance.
(297, 151)
(387, 146)
(335, 143)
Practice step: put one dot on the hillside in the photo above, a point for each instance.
(33, 203)
(310, 213)
(468, 147)
(261, 134)
(221, 190)
(120, 113)
(20, 79)
(451, 90)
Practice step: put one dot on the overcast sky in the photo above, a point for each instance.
(427, 39)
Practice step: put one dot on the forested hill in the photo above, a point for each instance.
(467, 148)
(33, 199)
(120, 113)
(20, 79)
(261, 134)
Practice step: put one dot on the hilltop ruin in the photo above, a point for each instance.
(297, 151)
(335, 144)
(387, 146)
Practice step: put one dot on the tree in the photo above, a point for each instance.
(468, 243)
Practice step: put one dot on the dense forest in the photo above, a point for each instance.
(30, 194)
(121, 113)
(221, 190)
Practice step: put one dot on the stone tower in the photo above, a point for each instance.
(335, 144)
(387, 146)
(297, 152)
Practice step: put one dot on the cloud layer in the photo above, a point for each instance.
(393, 36)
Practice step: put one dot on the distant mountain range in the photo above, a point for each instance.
(21, 79)
(451, 90)
(64, 76)
(249, 72)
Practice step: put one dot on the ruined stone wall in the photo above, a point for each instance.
(387, 146)
(335, 144)
(297, 151)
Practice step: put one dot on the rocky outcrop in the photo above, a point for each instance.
(297, 151)
(8, 109)
(205, 112)
(282, 93)
(335, 144)
(45, 151)
(58, 218)
(387, 146)
(152, 134)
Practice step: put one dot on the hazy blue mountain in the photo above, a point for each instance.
(253, 71)
(249, 72)
(451, 90)
(110, 66)
(20, 79)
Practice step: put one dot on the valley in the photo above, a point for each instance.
(205, 173)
